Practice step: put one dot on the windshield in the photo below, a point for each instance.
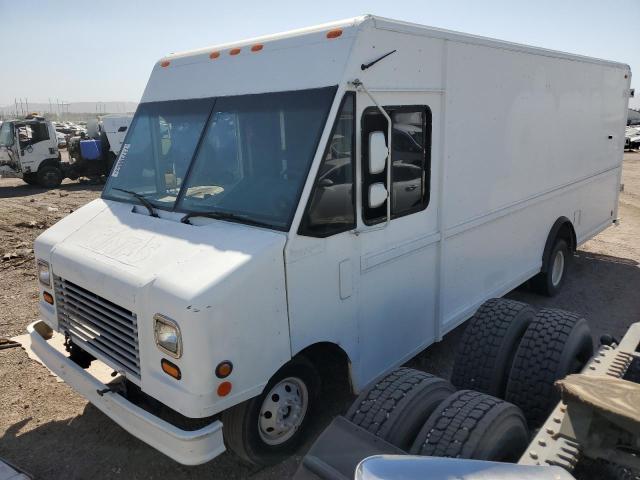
(247, 156)
(6, 134)
(158, 150)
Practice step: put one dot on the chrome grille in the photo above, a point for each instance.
(102, 328)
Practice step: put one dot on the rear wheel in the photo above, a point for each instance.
(550, 280)
(489, 342)
(49, 176)
(397, 405)
(556, 344)
(268, 428)
(476, 426)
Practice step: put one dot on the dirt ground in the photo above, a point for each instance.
(52, 432)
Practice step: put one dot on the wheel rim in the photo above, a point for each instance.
(283, 411)
(558, 268)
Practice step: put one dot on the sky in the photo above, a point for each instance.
(105, 50)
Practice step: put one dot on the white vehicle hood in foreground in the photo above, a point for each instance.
(121, 251)
(216, 280)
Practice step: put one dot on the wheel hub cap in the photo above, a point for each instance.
(283, 411)
(558, 268)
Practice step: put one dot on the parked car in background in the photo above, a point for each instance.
(632, 138)
(62, 139)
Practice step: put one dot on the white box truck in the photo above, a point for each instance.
(341, 195)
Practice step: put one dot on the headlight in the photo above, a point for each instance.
(167, 335)
(44, 274)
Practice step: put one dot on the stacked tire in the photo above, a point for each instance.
(508, 359)
(513, 352)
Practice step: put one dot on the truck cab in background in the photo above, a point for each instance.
(29, 150)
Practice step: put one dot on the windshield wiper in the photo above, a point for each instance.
(234, 217)
(141, 198)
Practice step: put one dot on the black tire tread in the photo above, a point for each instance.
(475, 364)
(234, 437)
(535, 366)
(391, 398)
(457, 427)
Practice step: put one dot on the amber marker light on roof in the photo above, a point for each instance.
(214, 55)
(257, 47)
(234, 51)
(165, 63)
(334, 33)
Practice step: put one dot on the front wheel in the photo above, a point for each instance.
(30, 178)
(269, 427)
(49, 176)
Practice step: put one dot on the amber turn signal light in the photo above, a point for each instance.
(170, 369)
(48, 298)
(224, 369)
(224, 389)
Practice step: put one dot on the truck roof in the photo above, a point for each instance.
(400, 26)
(304, 58)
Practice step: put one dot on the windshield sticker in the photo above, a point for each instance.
(121, 158)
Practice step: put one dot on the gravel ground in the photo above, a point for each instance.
(52, 432)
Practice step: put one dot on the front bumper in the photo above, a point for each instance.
(186, 447)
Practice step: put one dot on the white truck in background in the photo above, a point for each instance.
(29, 150)
(95, 153)
(323, 203)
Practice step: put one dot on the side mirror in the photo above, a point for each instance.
(326, 182)
(378, 152)
(377, 194)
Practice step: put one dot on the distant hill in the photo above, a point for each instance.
(72, 108)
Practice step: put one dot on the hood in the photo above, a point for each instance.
(112, 251)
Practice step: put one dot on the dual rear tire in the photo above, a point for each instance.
(521, 364)
(424, 415)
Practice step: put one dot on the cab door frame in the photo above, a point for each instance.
(399, 260)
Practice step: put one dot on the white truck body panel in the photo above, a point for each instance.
(115, 127)
(18, 159)
(506, 162)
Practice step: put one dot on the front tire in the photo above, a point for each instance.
(49, 176)
(30, 178)
(268, 428)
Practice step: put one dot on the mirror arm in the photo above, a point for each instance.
(360, 86)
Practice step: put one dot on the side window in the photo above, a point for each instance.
(40, 132)
(32, 133)
(331, 207)
(410, 159)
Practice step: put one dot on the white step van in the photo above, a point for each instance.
(324, 202)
